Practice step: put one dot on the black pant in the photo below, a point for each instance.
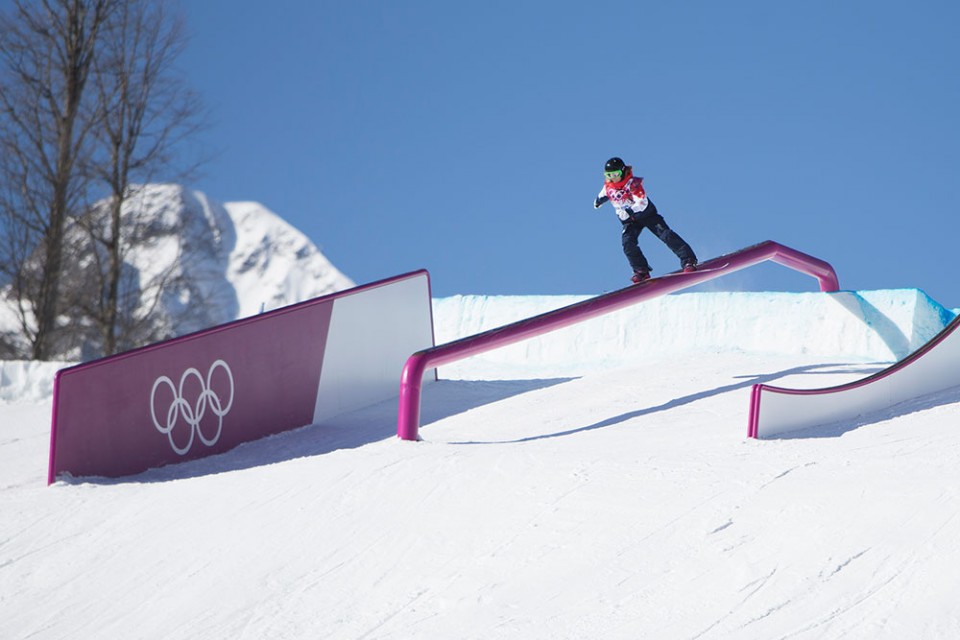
(652, 220)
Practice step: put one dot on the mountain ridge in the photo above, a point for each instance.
(197, 263)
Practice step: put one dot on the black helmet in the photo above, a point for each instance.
(614, 164)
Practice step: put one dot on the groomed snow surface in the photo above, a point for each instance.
(596, 483)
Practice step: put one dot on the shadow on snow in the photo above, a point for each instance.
(748, 381)
(445, 398)
(378, 422)
(837, 429)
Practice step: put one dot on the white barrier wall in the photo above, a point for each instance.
(371, 336)
(932, 368)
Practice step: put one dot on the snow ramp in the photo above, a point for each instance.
(933, 367)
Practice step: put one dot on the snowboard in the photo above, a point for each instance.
(686, 273)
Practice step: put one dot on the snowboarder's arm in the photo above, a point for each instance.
(600, 200)
(638, 193)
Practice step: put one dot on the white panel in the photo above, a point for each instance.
(372, 333)
(930, 370)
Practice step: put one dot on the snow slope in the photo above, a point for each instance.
(564, 489)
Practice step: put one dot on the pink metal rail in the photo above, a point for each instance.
(411, 380)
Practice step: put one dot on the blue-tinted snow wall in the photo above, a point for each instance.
(878, 326)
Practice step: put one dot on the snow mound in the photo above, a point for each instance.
(879, 326)
(27, 380)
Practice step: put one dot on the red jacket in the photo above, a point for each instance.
(628, 196)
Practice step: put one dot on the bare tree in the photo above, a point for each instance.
(90, 103)
(146, 113)
(47, 48)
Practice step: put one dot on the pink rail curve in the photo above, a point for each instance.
(411, 380)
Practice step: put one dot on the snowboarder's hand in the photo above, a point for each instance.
(598, 202)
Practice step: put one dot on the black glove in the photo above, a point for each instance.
(599, 201)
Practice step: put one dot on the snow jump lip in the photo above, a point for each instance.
(408, 414)
(933, 367)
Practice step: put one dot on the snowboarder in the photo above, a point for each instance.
(637, 212)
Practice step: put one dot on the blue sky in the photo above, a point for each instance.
(469, 138)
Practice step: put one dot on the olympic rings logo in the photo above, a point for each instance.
(192, 414)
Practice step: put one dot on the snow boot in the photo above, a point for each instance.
(640, 276)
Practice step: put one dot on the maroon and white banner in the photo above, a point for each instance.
(207, 392)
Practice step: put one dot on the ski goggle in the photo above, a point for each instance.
(613, 176)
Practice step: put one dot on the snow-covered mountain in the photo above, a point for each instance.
(258, 261)
(218, 261)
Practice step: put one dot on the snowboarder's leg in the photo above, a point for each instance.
(631, 248)
(672, 239)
